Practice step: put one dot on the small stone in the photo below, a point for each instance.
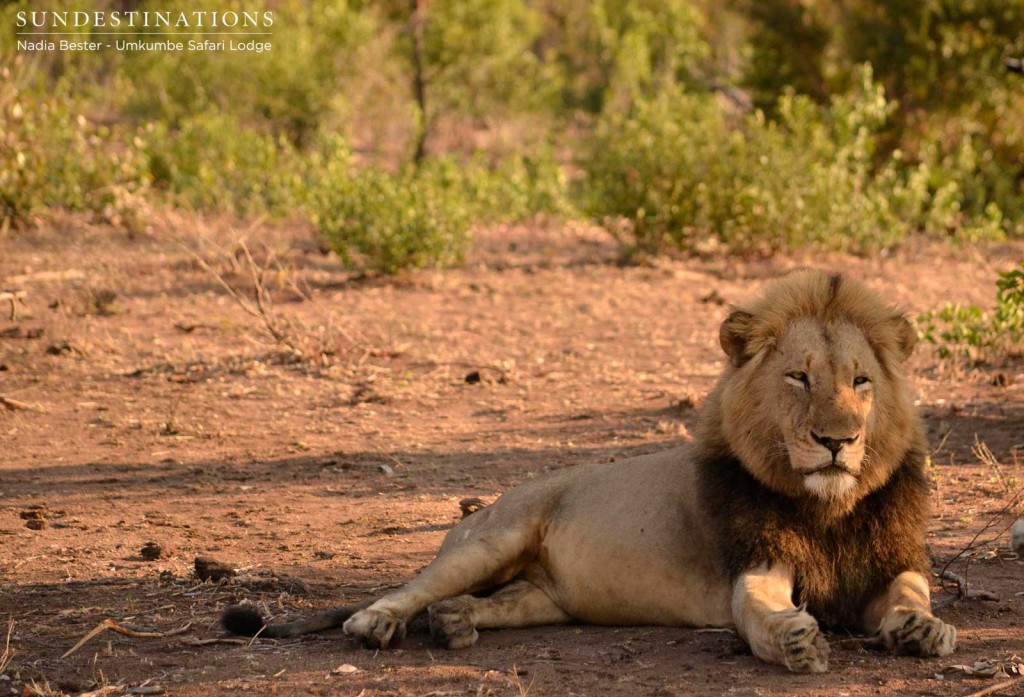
(35, 524)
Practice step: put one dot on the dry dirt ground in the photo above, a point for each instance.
(144, 404)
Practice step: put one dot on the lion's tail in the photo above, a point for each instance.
(246, 620)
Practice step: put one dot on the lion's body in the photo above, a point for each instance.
(612, 550)
(805, 486)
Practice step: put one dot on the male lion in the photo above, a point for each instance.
(802, 499)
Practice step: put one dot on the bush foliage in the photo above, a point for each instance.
(422, 216)
(969, 331)
(676, 169)
(51, 155)
(754, 126)
(385, 222)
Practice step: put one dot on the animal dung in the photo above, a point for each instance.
(208, 569)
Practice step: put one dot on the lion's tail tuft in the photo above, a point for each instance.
(244, 620)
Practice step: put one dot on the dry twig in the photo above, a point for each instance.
(999, 687)
(987, 457)
(115, 627)
(15, 405)
(5, 658)
(295, 337)
(945, 574)
(963, 591)
(263, 309)
(238, 641)
(518, 683)
(14, 297)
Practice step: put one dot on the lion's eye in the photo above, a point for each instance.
(799, 378)
(861, 381)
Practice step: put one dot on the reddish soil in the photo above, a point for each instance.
(145, 405)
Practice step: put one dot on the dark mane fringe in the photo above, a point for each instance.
(841, 561)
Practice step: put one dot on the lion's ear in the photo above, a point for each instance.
(906, 337)
(734, 335)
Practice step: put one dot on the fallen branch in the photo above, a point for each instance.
(256, 636)
(115, 627)
(180, 630)
(999, 687)
(391, 457)
(216, 640)
(963, 591)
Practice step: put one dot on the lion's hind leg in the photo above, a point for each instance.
(488, 548)
(454, 621)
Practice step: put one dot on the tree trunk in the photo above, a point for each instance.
(419, 85)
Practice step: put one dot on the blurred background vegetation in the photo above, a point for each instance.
(396, 126)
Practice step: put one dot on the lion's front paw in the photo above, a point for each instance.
(804, 649)
(917, 633)
(378, 629)
(451, 623)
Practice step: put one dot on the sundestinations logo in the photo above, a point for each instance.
(145, 30)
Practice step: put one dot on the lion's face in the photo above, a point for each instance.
(825, 383)
(815, 403)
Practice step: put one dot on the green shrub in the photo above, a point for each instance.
(607, 52)
(291, 91)
(477, 57)
(953, 196)
(645, 89)
(969, 331)
(958, 121)
(648, 165)
(53, 156)
(386, 222)
(212, 162)
(514, 188)
(677, 171)
(806, 179)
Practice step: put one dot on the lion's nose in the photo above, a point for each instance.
(834, 445)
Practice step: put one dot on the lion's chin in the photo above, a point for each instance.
(831, 483)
